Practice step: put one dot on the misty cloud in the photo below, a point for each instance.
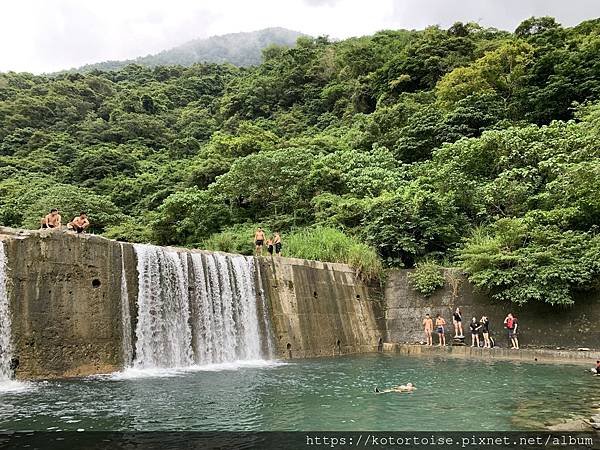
(321, 2)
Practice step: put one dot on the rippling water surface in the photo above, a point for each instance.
(318, 394)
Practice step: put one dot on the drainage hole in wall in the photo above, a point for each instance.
(289, 346)
(315, 295)
(96, 283)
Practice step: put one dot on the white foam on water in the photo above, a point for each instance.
(132, 373)
(16, 387)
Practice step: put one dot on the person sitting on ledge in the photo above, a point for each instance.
(52, 220)
(79, 223)
(408, 387)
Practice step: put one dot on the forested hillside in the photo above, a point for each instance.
(239, 49)
(467, 146)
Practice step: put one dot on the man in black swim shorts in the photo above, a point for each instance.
(259, 240)
(79, 224)
(52, 220)
(277, 243)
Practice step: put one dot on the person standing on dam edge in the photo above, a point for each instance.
(277, 243)
(259, 241)
(457, 321)
(428, 324)
(511, 325)
(440, 323)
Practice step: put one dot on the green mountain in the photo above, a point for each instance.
(467, 146)
(239, 49)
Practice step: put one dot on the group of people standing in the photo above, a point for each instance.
(273, 243)
(54, 220)
(477, 328)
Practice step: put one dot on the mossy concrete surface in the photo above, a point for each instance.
(586, 358)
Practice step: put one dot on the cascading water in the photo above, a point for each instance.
(163, 332)
(5, 321)
(125, 315)
(195, 308)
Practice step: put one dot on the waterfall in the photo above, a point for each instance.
(5, 320)
(125, 315)
(162, 331)
(195, 308)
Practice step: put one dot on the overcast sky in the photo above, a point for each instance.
(49, 35)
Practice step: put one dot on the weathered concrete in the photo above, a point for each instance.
(321, 309)
(540, 325)
(586, 358)
(65, 294)
(65, 303)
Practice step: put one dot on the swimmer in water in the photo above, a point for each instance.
(408, 387)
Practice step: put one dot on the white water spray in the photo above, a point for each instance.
(125, 315)
(195, 309)
(5, 320)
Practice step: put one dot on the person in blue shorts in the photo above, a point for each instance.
(440, 323)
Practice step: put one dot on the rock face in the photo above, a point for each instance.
(539, 324)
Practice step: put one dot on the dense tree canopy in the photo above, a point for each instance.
(470, 146)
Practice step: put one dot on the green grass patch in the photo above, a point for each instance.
(329, 244)
(319, 243)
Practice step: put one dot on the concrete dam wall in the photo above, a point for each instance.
(75, 305)
(83, 304)
(540, 325)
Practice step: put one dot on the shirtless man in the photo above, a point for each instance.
(79, 223)
(277, 243)
(440, 323)
(52, 220)
(408, 387)
(259, 240)
(428, 324)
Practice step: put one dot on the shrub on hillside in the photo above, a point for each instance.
(427, 278)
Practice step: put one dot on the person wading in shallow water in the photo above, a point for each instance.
(428, 324)
(440, 323)
(52, 220)
(259, 241)
(79, 223)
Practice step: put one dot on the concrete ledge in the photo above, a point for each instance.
(588, 358)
